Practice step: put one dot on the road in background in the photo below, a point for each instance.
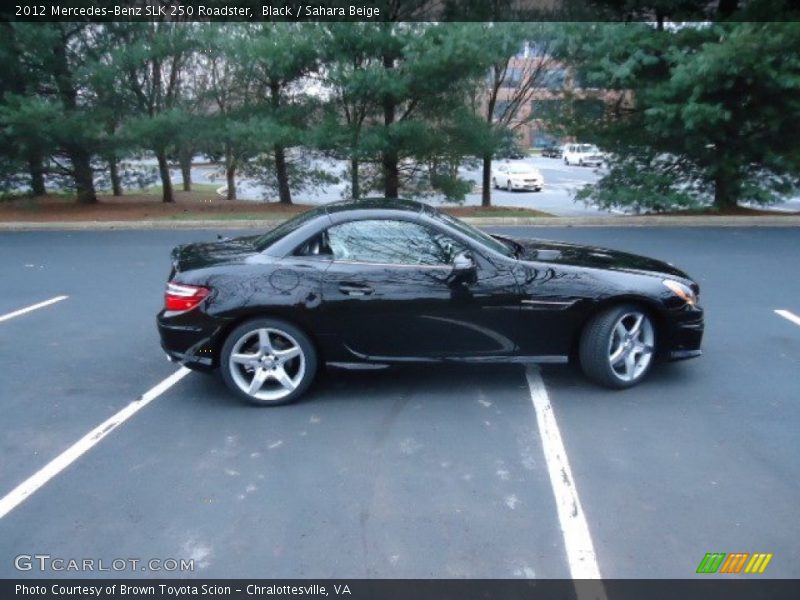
(557, 197)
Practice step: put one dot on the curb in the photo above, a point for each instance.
(639, 221)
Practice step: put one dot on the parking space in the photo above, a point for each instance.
(704, 457)
(412, 472)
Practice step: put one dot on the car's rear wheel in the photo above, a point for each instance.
(268, 362)
(618, 346)
(494, 183)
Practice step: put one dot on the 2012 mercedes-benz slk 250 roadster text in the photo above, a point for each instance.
(381, 282)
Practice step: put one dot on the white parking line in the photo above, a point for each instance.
(577, 540)
(28, 309)
(24, 490)
(788, 315)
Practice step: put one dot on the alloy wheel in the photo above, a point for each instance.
(631, 346)
(267, 364)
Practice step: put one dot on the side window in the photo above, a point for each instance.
(385, 241)
(316, 246)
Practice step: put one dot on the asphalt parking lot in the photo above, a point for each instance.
(412, 472)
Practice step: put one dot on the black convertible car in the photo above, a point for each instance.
(379, 282)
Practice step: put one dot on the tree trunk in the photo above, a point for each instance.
(185, 160)
(163, 171)
(36, 171)
(391, 177)
(82, 175)
(725, 189)
(78, 154)
(230, 178)
(281, 170)
(486, 194)
(282, 173)
(355, 190)
(113, 169)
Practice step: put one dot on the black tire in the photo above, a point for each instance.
(284, 380)
(494, 184)
(598, 337)
(509, 187)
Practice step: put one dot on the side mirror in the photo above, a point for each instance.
(463, 263)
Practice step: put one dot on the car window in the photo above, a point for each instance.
(285, 228)
(385, 241)
(476, 235)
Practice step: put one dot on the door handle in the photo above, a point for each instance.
(355, 289)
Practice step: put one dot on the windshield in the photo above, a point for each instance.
(520, 169)
(586, 148)
(273, 235)
(477, 235)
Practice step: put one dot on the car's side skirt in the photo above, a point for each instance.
(379, 362)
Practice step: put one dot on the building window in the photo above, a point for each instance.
(545, 109)
(590, 108)
(513, 77)
(553, 79)
(500, 108)
(540, 137)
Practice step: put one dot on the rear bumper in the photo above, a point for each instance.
(189, 338)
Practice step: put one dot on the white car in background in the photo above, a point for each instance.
(517, 176)
(583, 155)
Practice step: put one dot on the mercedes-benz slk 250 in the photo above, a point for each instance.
(382, 282)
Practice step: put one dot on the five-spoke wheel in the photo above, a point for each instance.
(618, 346)
(267, 361)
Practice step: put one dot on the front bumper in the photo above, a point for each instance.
(525, 185)
(685, 333)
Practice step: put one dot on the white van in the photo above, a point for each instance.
(583, 155)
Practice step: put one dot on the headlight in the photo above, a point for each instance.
(684, 292)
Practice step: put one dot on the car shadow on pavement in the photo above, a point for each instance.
(335, 385)
(668, 377)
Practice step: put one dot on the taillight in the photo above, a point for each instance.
(182, 297)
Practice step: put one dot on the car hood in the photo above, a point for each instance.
(592, 257)
(206, 254)
(525, 175)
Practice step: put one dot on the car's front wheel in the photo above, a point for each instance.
(618, 346)
(268, 362)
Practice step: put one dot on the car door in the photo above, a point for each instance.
(391, 292)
